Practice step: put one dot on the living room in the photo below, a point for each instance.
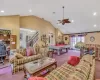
(39, 42)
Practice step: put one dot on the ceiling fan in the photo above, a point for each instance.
(63, 21)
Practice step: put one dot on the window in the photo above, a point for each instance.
(75, 39)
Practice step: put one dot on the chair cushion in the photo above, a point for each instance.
(73, 60)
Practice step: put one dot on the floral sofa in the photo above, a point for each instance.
(83, 71)
(17, 64)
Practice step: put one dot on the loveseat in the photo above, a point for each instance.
(18, 64)
(83, 71)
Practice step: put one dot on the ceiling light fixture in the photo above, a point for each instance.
(2, 11)
(72, 21)
(95, 13)
(30, 10)
(95, 25)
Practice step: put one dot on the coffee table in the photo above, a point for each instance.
(40, 67)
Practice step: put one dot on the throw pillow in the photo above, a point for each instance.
(19, 56)
(73, 60)
(30, 51)
(12, 59)
(36, 78)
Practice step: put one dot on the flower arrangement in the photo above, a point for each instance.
(80, 45)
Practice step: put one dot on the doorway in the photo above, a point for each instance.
(4, 45)
(51, 39)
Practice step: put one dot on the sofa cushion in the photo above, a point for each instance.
(61, 73)
(18, 56)
(30, 51)
(26, 59)
(77, 76)
(37, 78)
(21, 51)
(73, 60)
(88, 58)
(84, 68)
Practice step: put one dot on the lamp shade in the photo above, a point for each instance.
(80, 45)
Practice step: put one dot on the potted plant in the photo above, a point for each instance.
(80, 45)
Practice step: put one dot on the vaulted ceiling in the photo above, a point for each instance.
(85, 14)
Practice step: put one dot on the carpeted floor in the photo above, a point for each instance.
(5, 73)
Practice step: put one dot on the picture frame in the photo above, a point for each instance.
(92, 38)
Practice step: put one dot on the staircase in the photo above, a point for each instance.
(32, 40)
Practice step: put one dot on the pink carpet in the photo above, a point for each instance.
(5, 73)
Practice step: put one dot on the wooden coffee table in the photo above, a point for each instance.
(40, 67)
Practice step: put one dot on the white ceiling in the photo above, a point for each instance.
(81, 11)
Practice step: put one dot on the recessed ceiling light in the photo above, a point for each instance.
(54, 12)
(72, 21)
(95, 25)
(95, 13)
(30, 10)
(2, 11)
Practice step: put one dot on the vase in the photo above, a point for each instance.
(81, 52)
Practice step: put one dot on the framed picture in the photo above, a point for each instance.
(92, 38)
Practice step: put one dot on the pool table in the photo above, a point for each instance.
(59, 48)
